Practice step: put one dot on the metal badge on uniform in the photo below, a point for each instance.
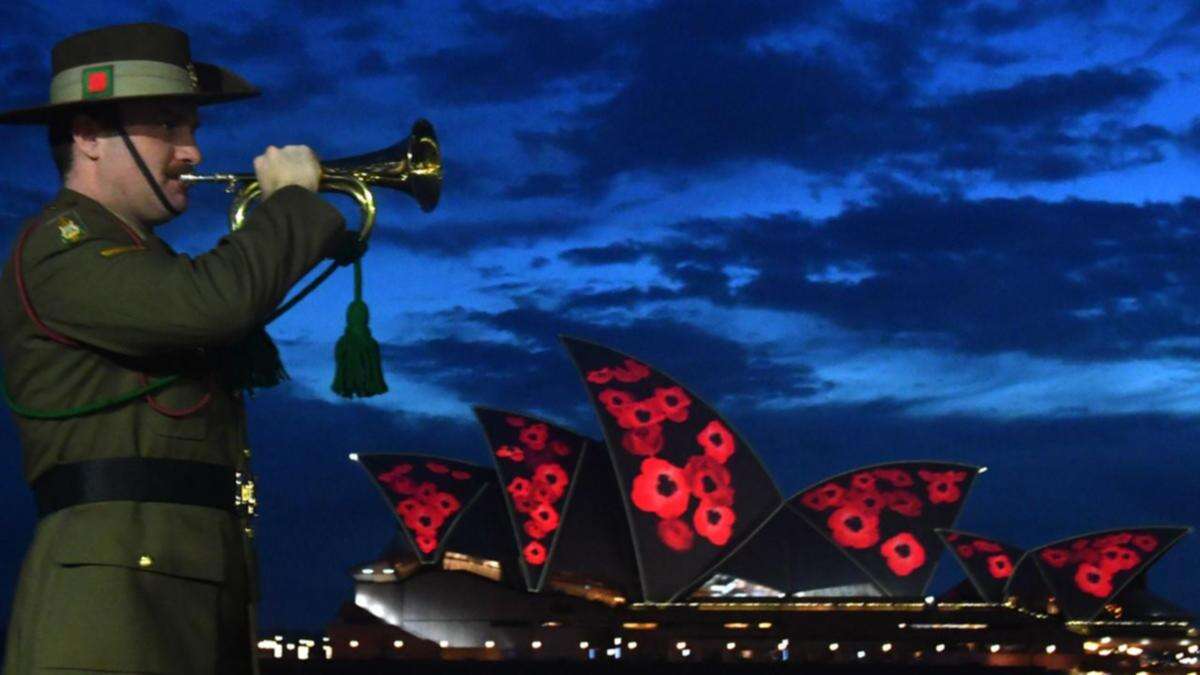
(70, 229)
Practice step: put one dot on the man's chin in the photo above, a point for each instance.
(161, 215)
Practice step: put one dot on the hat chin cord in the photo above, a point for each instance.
(141, 165)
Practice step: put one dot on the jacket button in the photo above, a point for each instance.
(145, 561)
(246, 452)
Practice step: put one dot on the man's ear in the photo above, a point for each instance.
(86, 132)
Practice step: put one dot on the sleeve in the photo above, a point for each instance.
(147, 302)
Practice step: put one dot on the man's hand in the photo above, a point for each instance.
(289, 165)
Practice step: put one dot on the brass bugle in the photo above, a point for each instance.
(414, 166)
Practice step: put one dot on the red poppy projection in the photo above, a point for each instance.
(1087, 571)
(988, 563)
(428, 495)
(884, 518)
(537, 463)
(693, 488)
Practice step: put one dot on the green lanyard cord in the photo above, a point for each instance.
(79, 411)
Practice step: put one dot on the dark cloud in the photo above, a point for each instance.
(1181, 34)
(684, 106)
(1050, 100)
(991, 19)
(816, 114)
(543, 184)
(622, 252)
(1076, 279)
(516, 55)
(457, 238)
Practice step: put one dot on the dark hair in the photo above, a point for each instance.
(61, 138)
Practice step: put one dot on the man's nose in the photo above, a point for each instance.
(189, 153)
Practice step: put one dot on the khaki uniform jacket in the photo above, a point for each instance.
(129, 586)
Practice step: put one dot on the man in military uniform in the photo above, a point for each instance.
(115, 351)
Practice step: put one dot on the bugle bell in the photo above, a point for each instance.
(414, 166)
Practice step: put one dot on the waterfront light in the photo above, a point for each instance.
(731, 646)
(686, 653)
(929, 599)
(443, 643)
(861, 654)
(887, 647)
(1050, 649)
(398, 644)
(583, 645)
(1134, 651)
(354, 644)
(632, 645)
(994, 648)
(833, 646)
(680, 645)
(940, 647)
(489, 644)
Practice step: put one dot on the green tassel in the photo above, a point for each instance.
(359, 367)
(254, 363)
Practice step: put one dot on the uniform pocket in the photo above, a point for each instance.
(113, 618)
(189, 542)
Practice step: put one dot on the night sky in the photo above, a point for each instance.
(865, 231)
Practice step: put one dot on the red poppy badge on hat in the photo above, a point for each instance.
(98, 82)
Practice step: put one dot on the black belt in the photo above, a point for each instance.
(137, 479)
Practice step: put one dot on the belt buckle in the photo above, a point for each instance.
(244, 499)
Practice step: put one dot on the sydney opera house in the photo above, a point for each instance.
(669, 541)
